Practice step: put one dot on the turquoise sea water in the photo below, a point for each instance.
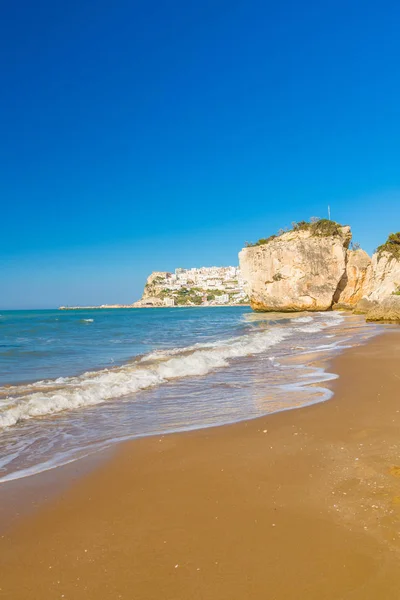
(72, 382)
(43, 344)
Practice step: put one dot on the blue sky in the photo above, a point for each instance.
(146, 135)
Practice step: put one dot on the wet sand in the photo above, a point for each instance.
(301, 504)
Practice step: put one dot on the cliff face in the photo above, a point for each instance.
(356, 280)
(382, 292)
(151, 289)
(385, 277)
(311, 268)
(380, 299)
(299, 270)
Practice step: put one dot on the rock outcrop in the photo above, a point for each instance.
(379, 297)
(356, 280)
(385, 276)
(311, 268)
(298, 270)
(384, 281)
(386, 311)
(363, 306)
(150, 294)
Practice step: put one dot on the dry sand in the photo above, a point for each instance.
(298, 505)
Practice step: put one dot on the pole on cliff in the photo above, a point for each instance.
(329, 212)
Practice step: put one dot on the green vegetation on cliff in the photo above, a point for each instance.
(186, 296)
(316, 227)
(261, 241)
(319, 228)
(391, 246)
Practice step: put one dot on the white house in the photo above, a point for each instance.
(223, 299)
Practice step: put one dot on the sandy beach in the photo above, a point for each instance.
(299, 504)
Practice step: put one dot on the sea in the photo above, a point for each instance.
(75, 382)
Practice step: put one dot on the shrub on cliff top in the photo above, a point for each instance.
(325, 227)
(391, 246)
(317, 227)
(260, 242)
(320, 227)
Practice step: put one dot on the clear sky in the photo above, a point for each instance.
(145, 135)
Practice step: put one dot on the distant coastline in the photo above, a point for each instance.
(120, 306)
(206, 286)
(102, 306)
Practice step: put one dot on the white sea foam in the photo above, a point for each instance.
(331, 320)
(315, 376)
(304, 319)
(160, 354)
(279, 379)
(314, 328)
(42, 398)
(96, 387)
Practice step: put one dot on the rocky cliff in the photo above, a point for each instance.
(311, 268)
(152, 290)
(302, 269)
(385, 277)
(356, 280)
(383, 282)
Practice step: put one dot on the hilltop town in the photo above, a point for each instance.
(206, 286)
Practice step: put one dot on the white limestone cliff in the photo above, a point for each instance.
(311, 268)
(298, 270)
(385, 279)
(356, 280)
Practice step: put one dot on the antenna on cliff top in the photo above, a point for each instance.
(329, 212)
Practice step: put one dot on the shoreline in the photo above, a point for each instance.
(112, 307)
(323, 478)
(303, 390)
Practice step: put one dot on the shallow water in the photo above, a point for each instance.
(74, 382)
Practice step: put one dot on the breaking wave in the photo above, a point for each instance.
(198, 377)
(68, 393)
(48, 397)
